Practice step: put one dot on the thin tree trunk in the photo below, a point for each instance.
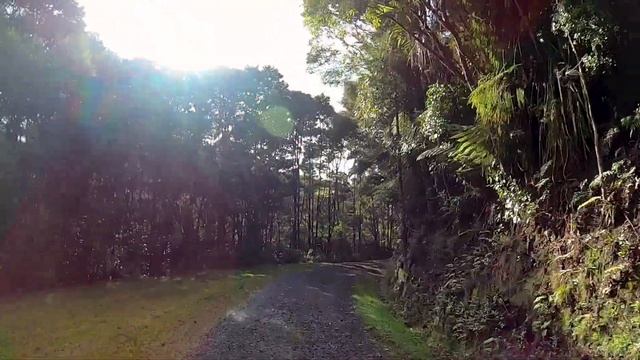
(317, 218)
(353, 221)
(296, 196)
(329, 220)
(310, 218)
(594, 127)
(401, 185)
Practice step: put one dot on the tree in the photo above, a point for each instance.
(113, 168)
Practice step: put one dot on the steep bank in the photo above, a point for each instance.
(557, 286)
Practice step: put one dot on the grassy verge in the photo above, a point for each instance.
(402, 341)
(149, 318)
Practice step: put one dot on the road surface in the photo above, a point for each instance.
(303, 315)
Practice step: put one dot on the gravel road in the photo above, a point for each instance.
(303, 315)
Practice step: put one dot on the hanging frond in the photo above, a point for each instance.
(375, 14)
(442, 149)
(473, 147)
(494, 100)
(399, 39)
(564, 127)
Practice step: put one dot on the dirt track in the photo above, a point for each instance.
(303, 315)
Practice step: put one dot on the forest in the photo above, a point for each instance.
(490, 148)
(113, 168)
(510, 132)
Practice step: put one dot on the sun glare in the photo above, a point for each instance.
(194, 35)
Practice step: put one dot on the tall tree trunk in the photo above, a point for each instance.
(360, 219)
(329, 220)
(270, 230)
(390, 227)
(221, 231)
(317, 217)
(353, 222)
(375, 226)
(401, 186)
(310, 216)
(296, 195)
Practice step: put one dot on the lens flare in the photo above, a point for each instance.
(277, 121)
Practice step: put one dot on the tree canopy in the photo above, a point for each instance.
(115, 168)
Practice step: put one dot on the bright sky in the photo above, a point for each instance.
(197, 35)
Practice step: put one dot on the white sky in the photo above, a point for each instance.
(196, 35)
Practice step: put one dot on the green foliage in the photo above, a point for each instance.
(336, 49)
(518, 206)
(442, 112)
(543, 308)
(588, 26)
(277, 121)
(597, 294)
(473, 147)
(512, 154)
(6, 349)
(631, 123)
(620, 184)
(463, 305)
(113, 168)
(405, 342)
(494, 100)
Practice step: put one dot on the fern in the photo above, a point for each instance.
(442, 149)
(473, 147)
(398, 37)
(631, 123)
(493, 100)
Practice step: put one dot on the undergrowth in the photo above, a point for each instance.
(402, 341)
(551, 290)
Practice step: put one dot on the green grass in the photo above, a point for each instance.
(403, 341)
(148, 318)
(6, 350)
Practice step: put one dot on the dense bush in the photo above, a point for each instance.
(508, 132)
